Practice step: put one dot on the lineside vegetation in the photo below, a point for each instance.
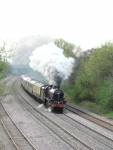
(4, 65)
(92, 85)
(95, 78)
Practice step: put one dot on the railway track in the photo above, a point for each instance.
(36, 120)
(10, 137)
(92, 118)
(98, 135)
(16, 136)
(6, 143)
(62, 133)
(57, 127)
(42, 115)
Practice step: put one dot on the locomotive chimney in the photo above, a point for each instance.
(58, 81)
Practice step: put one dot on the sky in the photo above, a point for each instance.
(87, 23)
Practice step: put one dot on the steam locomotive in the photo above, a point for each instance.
(52, 96)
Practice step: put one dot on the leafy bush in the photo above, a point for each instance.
(66, 46)
(97, 68)
(2, 88)
(4, 69)
(93, 82)
(104, 95)
(69, 92)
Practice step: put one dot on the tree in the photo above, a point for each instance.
(70, 50)
(94, 71)
(5, 52)
(5, 55)
(66, 46)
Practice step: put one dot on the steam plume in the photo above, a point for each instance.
(51, 62)
(25, 46)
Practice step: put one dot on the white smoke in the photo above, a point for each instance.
(50, 61)
(25, 46)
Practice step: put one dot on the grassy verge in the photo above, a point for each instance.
(95, 108)
(2, 88)
(109, 115)
(88, 105)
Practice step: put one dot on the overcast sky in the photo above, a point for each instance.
(87, 23)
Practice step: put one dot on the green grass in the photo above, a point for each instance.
(109, 115)
(2, 89)
(88, 105)
(69, 92)
(93, 107)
